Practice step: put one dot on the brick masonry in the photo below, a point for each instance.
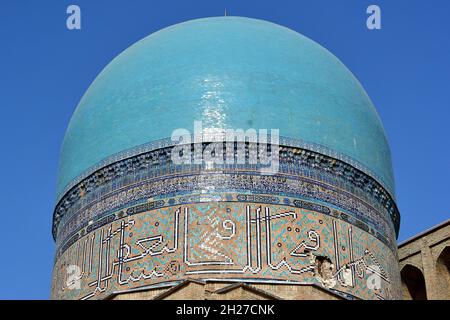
(424, 264)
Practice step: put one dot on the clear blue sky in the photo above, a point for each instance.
(45, 68)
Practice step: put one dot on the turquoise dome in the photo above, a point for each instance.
(229, 72)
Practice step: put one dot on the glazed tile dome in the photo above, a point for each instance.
(132, 217)
(229, 72)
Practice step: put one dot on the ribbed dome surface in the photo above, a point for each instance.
(229, 72)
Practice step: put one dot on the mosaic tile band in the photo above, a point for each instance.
(303, 190)
(292, 160)
(226, 240)
(168, 143)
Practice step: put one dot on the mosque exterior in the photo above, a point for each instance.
(131, 222)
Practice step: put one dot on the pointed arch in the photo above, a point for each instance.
(443, 273)
(413, 283)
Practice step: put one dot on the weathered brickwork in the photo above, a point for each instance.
(210, 290)
(425, 264)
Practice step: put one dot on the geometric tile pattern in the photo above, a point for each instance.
(156, 165)
(226, 240)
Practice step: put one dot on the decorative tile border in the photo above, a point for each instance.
(242, 240)
(167, 142)
(178, 190)
(294, 161)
